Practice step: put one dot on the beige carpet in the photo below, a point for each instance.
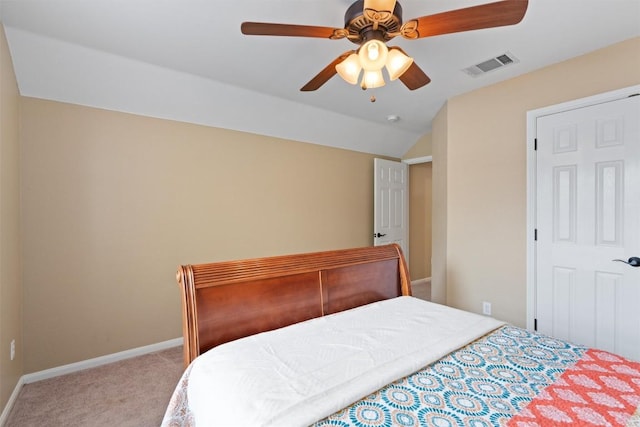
(132, 392)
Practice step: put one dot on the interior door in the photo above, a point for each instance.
(587, 216)
(391, 204)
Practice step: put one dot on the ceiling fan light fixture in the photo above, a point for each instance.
(372, 79)
(372, 23)
(349, 69)
(397, 63)
(373, 55)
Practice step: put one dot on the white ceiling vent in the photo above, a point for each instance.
(491, 64)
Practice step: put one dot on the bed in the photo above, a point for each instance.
(335, 339)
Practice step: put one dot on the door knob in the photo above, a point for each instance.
(634, 261)
(379, 235)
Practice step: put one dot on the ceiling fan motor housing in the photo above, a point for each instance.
(361, 29)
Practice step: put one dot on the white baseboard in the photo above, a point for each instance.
(98, 361)
(12, 400)
(79, 366)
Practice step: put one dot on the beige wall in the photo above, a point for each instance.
(420, 221)
(113, 203)
(483, 205)
(420, 210)
(10, 286)
(422, 148)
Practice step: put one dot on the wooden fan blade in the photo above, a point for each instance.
(323, 76)
(497, 14)
(267, 29)
(414, 78)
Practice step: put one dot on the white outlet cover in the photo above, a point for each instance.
(486, 308)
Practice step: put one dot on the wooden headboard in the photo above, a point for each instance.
(224, 301)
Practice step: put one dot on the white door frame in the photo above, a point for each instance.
(532, 116)
(418, 160)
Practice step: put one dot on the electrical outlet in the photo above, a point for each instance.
(486, 308)
(13, 349)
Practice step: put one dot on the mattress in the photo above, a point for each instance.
(404, 361)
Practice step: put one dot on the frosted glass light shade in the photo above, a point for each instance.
(373, 55)
(397, 63)
(349, 69)
(372, 79)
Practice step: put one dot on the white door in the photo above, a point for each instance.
(391, 204)
(587, 215)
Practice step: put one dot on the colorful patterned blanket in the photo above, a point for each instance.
(510, 377)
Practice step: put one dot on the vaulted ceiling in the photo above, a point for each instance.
(187, 60)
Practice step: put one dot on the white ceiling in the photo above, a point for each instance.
(187, 60)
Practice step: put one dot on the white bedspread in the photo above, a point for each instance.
(297, 375)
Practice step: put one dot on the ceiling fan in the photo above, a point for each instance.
(372, 23)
